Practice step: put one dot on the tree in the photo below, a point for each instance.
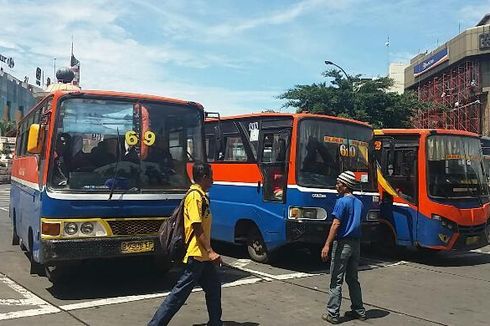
(362, 99)
(8, 128)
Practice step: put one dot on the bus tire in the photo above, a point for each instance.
(256, 247)
(35, 267)
(15, 236)
(55, 274)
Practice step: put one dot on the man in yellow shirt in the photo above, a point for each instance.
(200, 259)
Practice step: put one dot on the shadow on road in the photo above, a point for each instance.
(123, 277)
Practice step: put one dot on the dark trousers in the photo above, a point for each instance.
(196, 272)
(345, 260)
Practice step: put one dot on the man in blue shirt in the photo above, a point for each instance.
(345, 240)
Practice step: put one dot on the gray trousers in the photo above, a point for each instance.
(345, 260)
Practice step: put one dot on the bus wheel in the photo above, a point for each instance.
(15, 236)
(55, 274)
(257, 250)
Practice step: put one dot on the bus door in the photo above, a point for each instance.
(274, 149)
(399, 168)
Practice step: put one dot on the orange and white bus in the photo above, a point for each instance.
(96, 172)
(434, 191)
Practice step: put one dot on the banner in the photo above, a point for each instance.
(431, 62)
(9, 61)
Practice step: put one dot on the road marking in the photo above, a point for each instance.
(131, 298)
(28, 299)
(242, 263)
(4, 209)
(479, 251)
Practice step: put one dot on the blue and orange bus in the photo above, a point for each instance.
(275, 177)
(433, 188)
(96, 172)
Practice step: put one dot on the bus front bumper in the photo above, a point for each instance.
(316, 232)
(59, 250)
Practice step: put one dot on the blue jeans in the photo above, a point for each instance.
(345, 260)
(196, 272)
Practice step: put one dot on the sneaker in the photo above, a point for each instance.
(331, 319)
(354, 315)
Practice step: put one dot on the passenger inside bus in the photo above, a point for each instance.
(315, 150)
(105, 152)
(159, 154)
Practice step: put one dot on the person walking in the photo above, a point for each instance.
(200, 259)
(344, 244)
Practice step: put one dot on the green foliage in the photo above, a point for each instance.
(7, 128)
(362, 99)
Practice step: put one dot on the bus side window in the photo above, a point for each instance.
(210, 147)
(234, 149)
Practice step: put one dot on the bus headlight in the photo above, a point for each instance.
(445, 222)
(71, 228)
(87, 228)
(309, 213)
(372, 215)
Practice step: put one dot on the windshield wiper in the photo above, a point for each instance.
(118, 158)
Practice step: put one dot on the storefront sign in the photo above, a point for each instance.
(431, 62)
(8, 61)
(485, 41)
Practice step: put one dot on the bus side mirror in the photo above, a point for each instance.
(33, 143)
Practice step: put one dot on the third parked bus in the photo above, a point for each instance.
(433, 188)
(275, 177)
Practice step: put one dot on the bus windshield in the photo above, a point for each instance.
(148, 143)
(454, 167)
(327, 148)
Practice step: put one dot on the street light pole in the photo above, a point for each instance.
(336, 65)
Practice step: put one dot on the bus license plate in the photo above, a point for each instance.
(472, 240)
(131, 247)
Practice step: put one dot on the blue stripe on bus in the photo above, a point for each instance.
(244, 202)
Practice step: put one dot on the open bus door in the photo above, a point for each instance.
(274, 145)
(398, 180)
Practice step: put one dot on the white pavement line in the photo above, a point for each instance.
(29, 299)
(381, 265)
(131, 298)
(14, 302)
(4, 209)
(241, 263)
(479, 251)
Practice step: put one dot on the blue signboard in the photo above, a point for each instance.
(431, 62)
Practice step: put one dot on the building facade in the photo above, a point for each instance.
(455, 77)
(16, 97)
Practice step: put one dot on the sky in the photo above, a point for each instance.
(231, 56)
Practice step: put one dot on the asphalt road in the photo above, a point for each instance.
(398, 288)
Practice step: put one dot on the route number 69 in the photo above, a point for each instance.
(131, 138)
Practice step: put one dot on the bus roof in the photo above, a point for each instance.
(379, 132)
(302, 115)
(127, 95)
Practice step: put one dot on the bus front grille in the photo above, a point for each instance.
(133, 227)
